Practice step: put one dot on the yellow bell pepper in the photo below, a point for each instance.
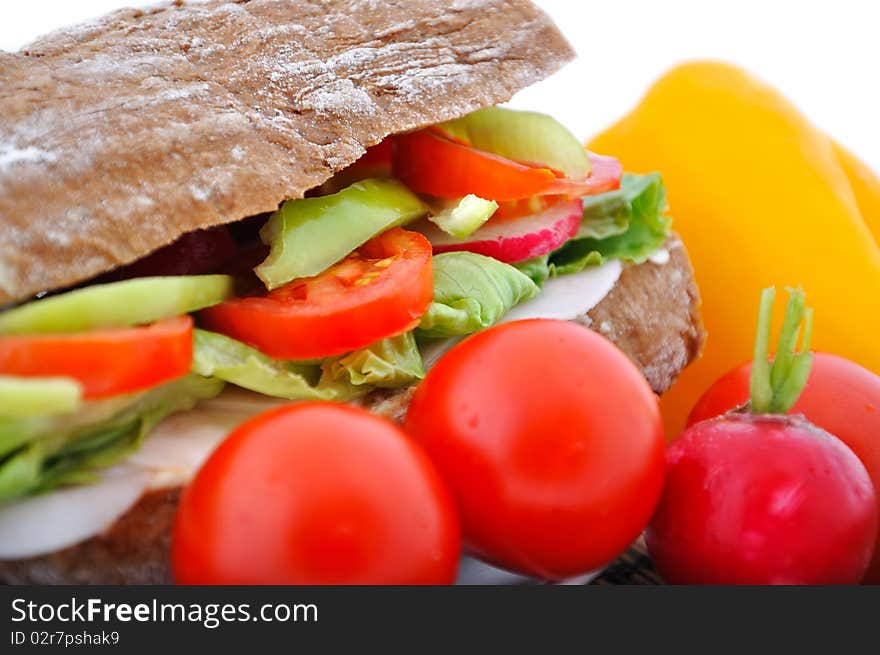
(760, 197)
(866, 186)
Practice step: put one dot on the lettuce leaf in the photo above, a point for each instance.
(629, 224)
(390, 363)
(575, 256)
(45, 452)
(472, 292)
(607, 214)
(536, 269)
(216, 355)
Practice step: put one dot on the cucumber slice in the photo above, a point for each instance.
(309, 235)
(524, 136)
(28, 397)
(465, 216)
(118, 304)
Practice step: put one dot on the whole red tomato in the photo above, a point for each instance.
(551, 441)
(841, 397)
(316, 493)
(762, 499)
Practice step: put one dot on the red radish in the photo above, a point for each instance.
(840, 397)
(513, 240)
(762, 498)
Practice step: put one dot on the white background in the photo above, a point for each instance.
(824, 55)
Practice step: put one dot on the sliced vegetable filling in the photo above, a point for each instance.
(328, 298)
(381, 290)
(308, 236)
(524, 136)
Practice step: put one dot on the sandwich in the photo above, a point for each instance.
(208, 210)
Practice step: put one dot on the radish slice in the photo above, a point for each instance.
(513, 240)
(605, 174)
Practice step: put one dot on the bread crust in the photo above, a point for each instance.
(652, 314)
(122, 134)
(133, 551)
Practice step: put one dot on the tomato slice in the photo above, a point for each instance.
(105, 362)
(379, 291)
(430, 163)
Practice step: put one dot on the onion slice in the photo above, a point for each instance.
(58, 519)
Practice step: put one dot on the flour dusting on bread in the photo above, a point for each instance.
(130, 130)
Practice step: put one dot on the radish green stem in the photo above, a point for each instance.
(775, 387)
(761, 392)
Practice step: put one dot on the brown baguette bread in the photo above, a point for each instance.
(121, 134)
(125, 133)
(652, 314)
